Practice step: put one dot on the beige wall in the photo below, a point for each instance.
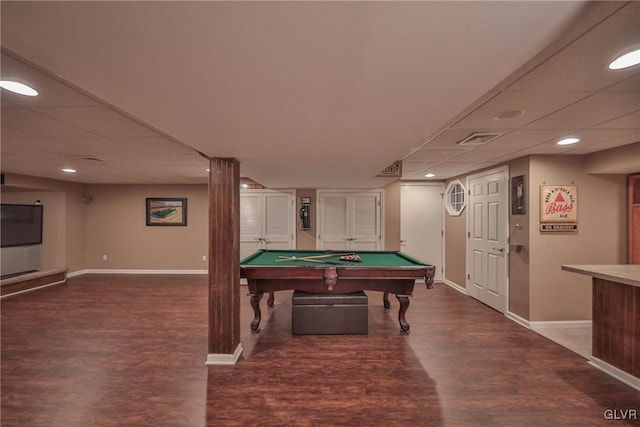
(601, 238)
(392, 216)
(306, 239)
(116, 227)
(519, 230)
(455, 245)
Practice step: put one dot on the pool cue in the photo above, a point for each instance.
(317, 256)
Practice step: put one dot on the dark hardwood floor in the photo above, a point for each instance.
(120, 350)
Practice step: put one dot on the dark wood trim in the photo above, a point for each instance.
(633, 218)
(616, 325)
(33, 280)
(224, 256)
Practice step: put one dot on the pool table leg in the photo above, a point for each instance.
(270, 300)
(404, 305)
(255, 304)
(385, 300)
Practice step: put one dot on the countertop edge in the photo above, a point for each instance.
(625, 274)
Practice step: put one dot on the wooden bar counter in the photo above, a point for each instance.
(616, 319)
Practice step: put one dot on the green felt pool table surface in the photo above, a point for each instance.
(277, 258)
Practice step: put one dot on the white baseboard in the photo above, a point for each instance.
(224, 359)
(519, 320)
(618, 374)
(77, 273)
(455, 286)
(133, 271)
(559, 324)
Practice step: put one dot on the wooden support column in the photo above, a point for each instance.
(224, 262)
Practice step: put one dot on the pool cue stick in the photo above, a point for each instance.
(319, 261)
(318, 256)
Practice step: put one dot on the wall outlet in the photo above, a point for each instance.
(104, 257)
(204, 257)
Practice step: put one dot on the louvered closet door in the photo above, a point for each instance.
(349, 221)
(266, 221)
(334, 221)
(250, 223)
(365, 222)
(278, 221)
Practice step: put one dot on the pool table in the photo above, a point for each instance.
(383, 271)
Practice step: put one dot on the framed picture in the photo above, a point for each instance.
(518, 196)
(167, 211)
(559, 203)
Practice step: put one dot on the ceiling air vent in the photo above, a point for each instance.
(394, 170)
(478, 138)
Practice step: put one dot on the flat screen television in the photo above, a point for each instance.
(20, 225)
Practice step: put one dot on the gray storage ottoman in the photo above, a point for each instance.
(320, 314)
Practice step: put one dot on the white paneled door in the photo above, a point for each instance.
(487, 238)
(349, 221)
(266, 221)
(421, 222)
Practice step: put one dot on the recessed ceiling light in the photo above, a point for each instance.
(69, 170)
(568, 141)
(19, 88)
(208, 170)
(430, 175)
(625, 61)
(506, 115)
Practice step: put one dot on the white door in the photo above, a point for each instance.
(365, 222)
(421, 223)
(349, 221)
(250, 223)
(487, 238)
(334, 221)
(267, 219)
(278, 221)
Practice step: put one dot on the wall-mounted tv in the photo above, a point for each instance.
(20, 225)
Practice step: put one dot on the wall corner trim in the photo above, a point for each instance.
(519, 320)
(224, 359)
(455, 286)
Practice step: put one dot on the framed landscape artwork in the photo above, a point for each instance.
(166, 211)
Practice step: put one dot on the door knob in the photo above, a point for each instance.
(501, 250)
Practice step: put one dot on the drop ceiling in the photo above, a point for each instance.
(310, 94)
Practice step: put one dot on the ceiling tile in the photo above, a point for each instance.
(630, 85)
(432, 155)
(448, 140)
(51, 92)
(629, 121)
(583, 65)
(534, 105)
(98, 120)
(155, 145)
(479, 155)
(521, 139)
(590, 111)
(36, 124)
(627, 139)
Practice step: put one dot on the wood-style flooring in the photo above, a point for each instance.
(129, 350)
